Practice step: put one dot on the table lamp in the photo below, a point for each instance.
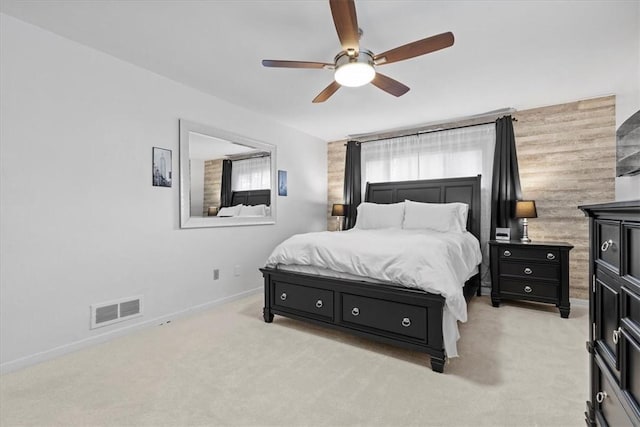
(338, 211)
(525, 209)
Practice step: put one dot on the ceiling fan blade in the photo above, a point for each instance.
(417, 48)
(346, 22)
(294, 64)
(389, 85)
(327, 92)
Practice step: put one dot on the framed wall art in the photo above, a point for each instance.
(161, 171)
(282, 183)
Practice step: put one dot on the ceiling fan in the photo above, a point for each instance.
(355, 67)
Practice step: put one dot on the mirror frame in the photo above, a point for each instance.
(186, 220)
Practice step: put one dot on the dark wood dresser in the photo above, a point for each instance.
(537, 271)
(614, 313)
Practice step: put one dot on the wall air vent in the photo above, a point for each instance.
(107, 313)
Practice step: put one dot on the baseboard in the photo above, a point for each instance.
(43, 356)
(579, 302)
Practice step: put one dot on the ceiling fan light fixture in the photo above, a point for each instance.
(354, 71)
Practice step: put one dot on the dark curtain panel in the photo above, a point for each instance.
(352, 181)
(225, 187)
(506, 180)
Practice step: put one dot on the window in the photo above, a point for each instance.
(251, 174)
(451, 153)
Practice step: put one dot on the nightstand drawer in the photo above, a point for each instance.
(528, 289)
(529, 270)
(536, 254)
(303, 298)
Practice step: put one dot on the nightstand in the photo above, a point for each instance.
(537, 271)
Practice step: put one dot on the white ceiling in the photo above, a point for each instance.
(518, 54)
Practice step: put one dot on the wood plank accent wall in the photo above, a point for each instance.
(337, 154)
(566, 155)
(212, 184)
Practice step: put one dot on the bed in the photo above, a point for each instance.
(251, 197)
(387, 312)
(247, 203)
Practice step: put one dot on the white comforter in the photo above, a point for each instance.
(436, 262)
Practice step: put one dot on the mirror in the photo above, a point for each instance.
(225, 179)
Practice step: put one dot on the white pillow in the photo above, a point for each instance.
(375, 216)
(444, 217)
(257, 210)
(230, 211)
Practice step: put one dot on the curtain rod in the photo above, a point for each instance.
(464, 122)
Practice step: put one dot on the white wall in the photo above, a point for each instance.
(81, 222)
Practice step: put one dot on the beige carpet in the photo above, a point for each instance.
(522, 365)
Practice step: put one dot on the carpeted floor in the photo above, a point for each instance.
(521, 365)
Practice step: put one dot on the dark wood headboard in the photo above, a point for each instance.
(446, 190)
(251, 197)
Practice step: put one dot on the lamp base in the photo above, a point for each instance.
(339, 223)
(525, 231)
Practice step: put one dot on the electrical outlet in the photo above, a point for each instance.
(236, 270)
(216, 274)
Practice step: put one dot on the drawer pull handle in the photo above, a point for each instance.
(616, 336)
(406, 322)
(528, 270)
(551, 256)
(283, 296)
(528, 289)
(507, 253)
(355, 311)
(601, 396)
(606, 245)
(319, 303)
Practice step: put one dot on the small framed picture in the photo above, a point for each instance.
(282, 183)
(503, 233)
(161, 172)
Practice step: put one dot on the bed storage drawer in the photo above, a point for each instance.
(372, 313)
(315, 301)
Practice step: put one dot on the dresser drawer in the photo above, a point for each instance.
(606, 309)
(609, 409)
(630, 381)
(630, 309)
(530, 270)
(399, 319)
(528, 289)
(631, 232)
(314, 301)
(536, 254)
(608, 243)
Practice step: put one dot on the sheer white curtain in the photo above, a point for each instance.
(445, 154)
(251, 174)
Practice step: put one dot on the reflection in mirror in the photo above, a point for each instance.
(225, 179)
